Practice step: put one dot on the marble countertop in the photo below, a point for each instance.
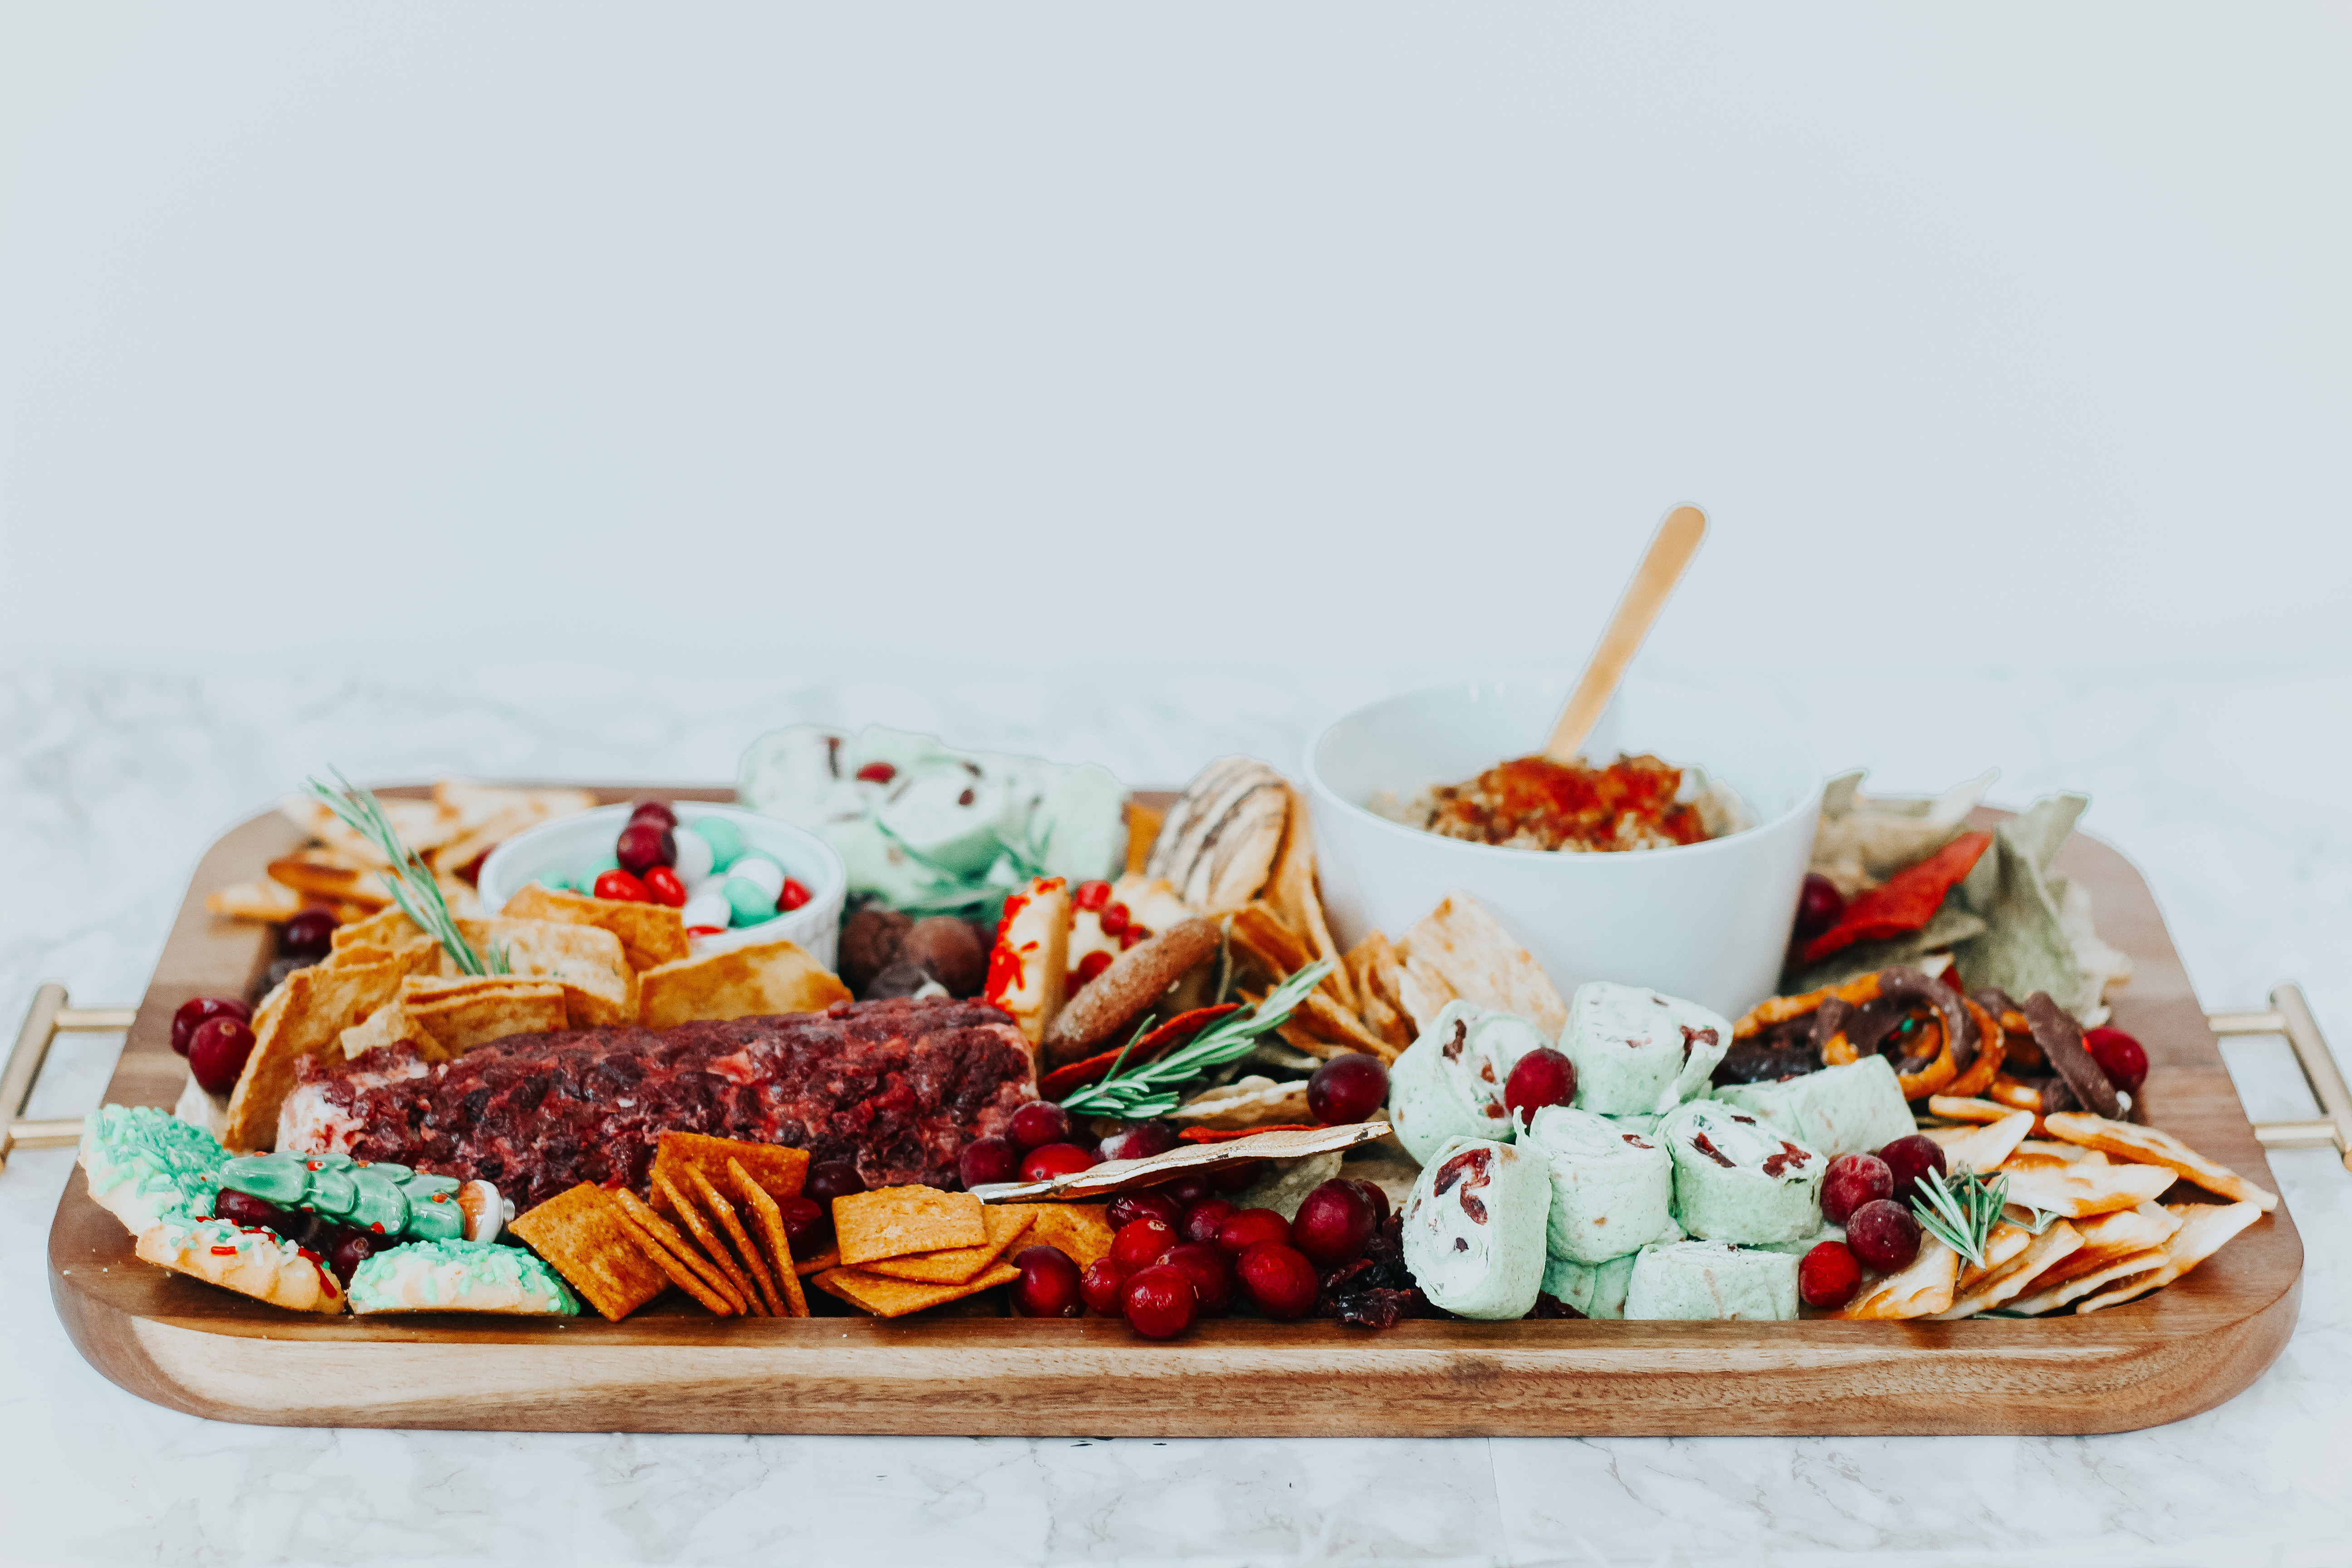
(2225, 791)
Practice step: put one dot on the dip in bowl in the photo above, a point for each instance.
(1708, 921)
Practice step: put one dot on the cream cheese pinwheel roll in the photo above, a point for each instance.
(1857, 1108)
(1449, 1082)
(1705, 1280)
(1597, 1289)
(1474, 1228)
(1738, 1179)
(1611, 1190)
(1638, 1053)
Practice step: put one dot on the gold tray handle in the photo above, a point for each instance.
(48, 1017)
(2290, 1015)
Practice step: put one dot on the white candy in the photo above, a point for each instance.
(707, 909)
(693, 866)
(756, 867)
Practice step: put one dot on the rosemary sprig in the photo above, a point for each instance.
(410, 881)
(1962, 1211)
(1151, 1088)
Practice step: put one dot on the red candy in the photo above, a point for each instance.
(794, 896)
(622, 885)
(663, 884)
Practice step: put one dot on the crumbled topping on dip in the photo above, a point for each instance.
(1534, 803)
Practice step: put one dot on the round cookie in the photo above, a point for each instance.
(460, 1277)
(257, 1263)
(1112, 1000)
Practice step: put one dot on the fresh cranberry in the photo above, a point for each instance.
(793, 895)
(622, 885)
(1158, 1303)
(2121, 1057)
(1543, 1077)
(986, 1160)
(1828, 1274)
(1236, 1177)
(1909, 1160)
(1279, 1279)
(1204, 1220)
(1347, 1089)
(1249, 1228)
(1090, 895)
(1101, 1284)
(1126, 1208)
(808, 1230)
(1141, 1239)
(643, 845)
(310, 934)
(1091, 966)
(1040, 1123)
(1211, 1272)
(1048, 1286)
(351, 1249)
(216, 1053)
(1819, 905)
(1333, 1224)
(198, 1009)
(831, 1179)
(1132, 935)
(1852, 1181)
(1884, 1235)
(1187, 1190)
(662, 885)
(243, 1208)
(655, 811)
(878, 772)
(1376, 1196)
(1139, 1141)
(1051, 1160)
(1114, 918)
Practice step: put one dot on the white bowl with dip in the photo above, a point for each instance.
(561, 846)
(1705, 922)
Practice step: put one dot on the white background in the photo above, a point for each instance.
(1088, 344)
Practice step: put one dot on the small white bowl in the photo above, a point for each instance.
(563, 847)
(1705, 922)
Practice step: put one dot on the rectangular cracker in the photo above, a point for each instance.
(2152, 1146)
(779, 1171)
(712, 1248)
(1082, 1230)
(885, 1297)
(673, 1264)
(1007, 1222)
(770, 1221)
(600, 989)
(829, 1258)
(897, 1221)
(2109, 1239)
(715, 1205)
(581, 1235)
(2128, 1267)
(665, 1237)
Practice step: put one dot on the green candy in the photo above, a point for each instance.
(586, 881)
(390, 1200)
(749, 902)
(726, 843)
(555, 880)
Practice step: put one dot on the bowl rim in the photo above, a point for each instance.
(835, 892)
(1808, 803)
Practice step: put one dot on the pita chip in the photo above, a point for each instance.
(2151, 1146)
(1484, 964)
(739, 982)
(651, 934)
(305, 1017)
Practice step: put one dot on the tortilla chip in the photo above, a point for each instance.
(896, 1221)
(272, 902)
(651, 934)
(778, 1170)
(1983, 1147)
(2023, 948)
(770, 1221)
(2203, 1228)
(2083, 1189)
(458, 1014)
(1993, 1286)
(1261, 934)
(715, 1203)
(1326, 1020)
(307, 1017)
(661, 1239)
(2130, 1267)
(887, 1297)
(739, 982)
(599, 987)
(580, 1235)
(1481, 963)
(1142, 832)
(1082, 1230)
(389, 1024)
(2150, 1146)
(1920, 1290)
(1292, 890)
(953, 1265)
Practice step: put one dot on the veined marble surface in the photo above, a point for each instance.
(2229, 793)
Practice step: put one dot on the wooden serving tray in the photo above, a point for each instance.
(671, 1368)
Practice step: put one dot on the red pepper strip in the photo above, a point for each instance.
(1908, 900)
(1063, 1080)
(1226, 1135)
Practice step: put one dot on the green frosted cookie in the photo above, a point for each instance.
(146, 1166)
(460, 1277)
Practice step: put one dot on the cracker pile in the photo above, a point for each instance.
(907, 1250)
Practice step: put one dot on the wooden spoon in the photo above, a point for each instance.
(1653, 583)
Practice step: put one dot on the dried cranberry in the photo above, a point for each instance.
(1090, 895)
(1279, 1279)
(878, 772)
